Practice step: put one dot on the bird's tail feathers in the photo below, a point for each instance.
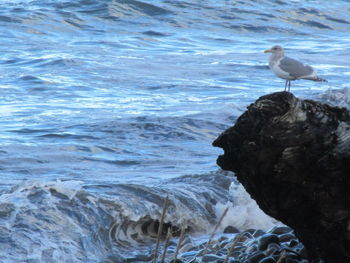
(316, 79)
(320, 79)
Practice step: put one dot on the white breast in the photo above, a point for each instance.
(274, 66)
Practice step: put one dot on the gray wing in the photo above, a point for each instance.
(295, 68)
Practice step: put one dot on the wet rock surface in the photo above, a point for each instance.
(250, 246)
(293, 157)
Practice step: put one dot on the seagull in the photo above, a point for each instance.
(288, 68)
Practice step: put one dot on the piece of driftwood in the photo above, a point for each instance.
(293, 157)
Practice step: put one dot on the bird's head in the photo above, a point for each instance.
(275, 50)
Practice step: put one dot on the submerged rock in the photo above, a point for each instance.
(293, 157)
(231, 229)
(266, 239)
(242, 247)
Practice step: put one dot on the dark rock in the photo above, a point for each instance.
(290, 254)
(293, 157)
(303, 253)
(231, 230)
(239, 248)
(286, 237)
(222, 238)
(235, 254)
(210, 258)
(248, 234)
(172, 243)
(252, 248)
(266, 239)
(272, 248)
(281, 230)
(224, 243)
(256, 257)
(258, 233)
(243, 256)
(267, 260)
(138, 258)
(250, 231)
(293, 243)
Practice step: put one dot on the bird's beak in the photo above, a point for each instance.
(267, 51)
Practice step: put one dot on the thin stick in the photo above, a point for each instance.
(215, 228)
(182, 234)
(282, 256)
(237, 239)
(166, 243)
(160, 228)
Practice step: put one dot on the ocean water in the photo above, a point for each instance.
(107, 106)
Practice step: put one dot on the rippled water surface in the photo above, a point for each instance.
(105, 104)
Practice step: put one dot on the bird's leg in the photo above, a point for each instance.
(289, 81)
(285, 85)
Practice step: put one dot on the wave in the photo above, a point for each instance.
(336, 97)
(251, 16)
(62, 218)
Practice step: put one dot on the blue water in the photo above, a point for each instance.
(99, 96)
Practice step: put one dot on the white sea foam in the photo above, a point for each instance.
(337, 97)
(38, 223)
(68, 188)
(244, 213)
